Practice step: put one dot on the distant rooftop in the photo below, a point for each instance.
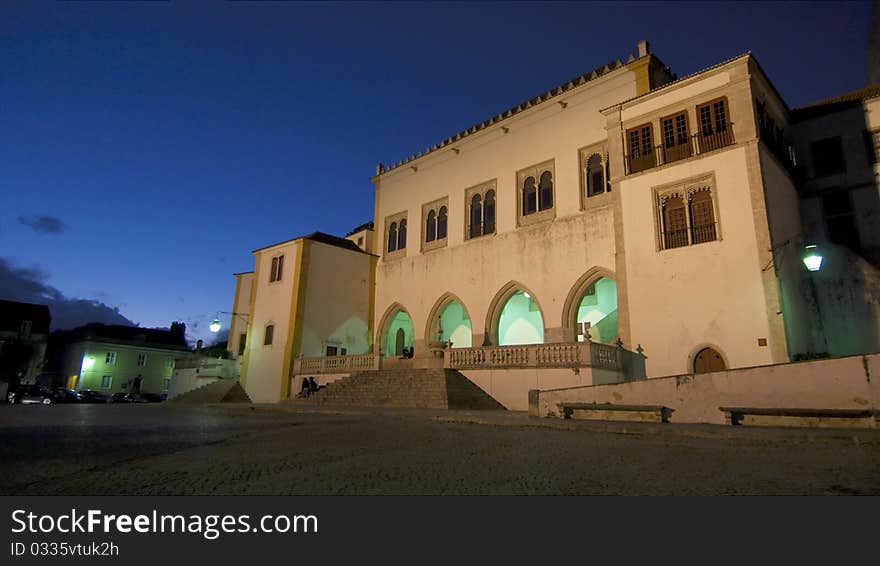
(120, 334)
(362, 227)
(13, 313)
(836, 103)
(322, 238)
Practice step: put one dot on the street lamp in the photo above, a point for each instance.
(812, 257)
(215, 325)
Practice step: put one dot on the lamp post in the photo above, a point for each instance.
(215, 325)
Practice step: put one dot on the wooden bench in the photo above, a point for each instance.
(609, 412)
(817, 418)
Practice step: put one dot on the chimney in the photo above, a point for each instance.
(643, 48)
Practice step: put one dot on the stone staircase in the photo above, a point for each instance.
(222, 391)
(419, 388)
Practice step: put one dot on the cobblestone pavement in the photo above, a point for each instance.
(170, 449)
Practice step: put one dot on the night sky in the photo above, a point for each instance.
(147, 148)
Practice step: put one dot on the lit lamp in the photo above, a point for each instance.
(215, 326)
(87, 363)
(812, 258)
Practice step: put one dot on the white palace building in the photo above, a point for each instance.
(623, 226)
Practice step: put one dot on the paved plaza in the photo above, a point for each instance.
(170, 449)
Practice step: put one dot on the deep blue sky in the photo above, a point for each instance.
(170, 140)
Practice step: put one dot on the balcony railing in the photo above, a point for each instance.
(559, 355)
(675, 238)
(704, 233)
(336, 364)
(699, 143)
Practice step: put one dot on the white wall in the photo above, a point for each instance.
(707, 294)
(272, 304)
(842, 383)
(337, 300)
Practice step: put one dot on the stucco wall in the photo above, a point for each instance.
(709, 294)
(510, 387)
(841, 383)
(546, 258)
(241, 304)
(272, 305)
(337, 301)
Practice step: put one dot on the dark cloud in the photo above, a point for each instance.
(43, 224)
(29, 285)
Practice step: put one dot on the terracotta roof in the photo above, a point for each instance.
(836, 103)
(676, 81)
(322, 238)
(512, 111)
(364, 226)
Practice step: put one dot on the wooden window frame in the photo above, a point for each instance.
(686, 190)
(276, 268)
(713, 118)
(268, 334)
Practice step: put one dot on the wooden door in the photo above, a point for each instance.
(707, 361)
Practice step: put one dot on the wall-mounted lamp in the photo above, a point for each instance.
(563, 103)
(215, 325)
(812, 258)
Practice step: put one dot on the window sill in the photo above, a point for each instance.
(596, 201)
(395, 255)
(435, 245)
(537, 217)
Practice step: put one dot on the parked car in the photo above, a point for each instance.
(64, 395)
(28, 394)
(91, 396)
(119, 397)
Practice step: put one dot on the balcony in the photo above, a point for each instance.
(699, 143)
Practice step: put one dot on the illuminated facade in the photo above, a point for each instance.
(627, 224)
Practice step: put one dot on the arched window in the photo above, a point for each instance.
(595, 176)
(401, 235)
(441, 223)
(702, 217)
(431, 227)
(476, 216)
(545, 190)
(529, 196)
(489, 213)
(392, 237)
(675, 232)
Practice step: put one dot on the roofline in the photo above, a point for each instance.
(546, 96)
(686, 77)
(310, 237)
(242, 273)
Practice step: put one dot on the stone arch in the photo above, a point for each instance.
(572, 301)
(384, 322)
(692, 357)
(493, 315)
(441, 303)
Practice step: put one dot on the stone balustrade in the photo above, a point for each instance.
(558, 355)
(336, 364)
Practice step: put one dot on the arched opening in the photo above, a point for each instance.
(476, 216)
(708, 360)
(401, 235)
(399, 334)
(520, 321)
(392, 237)
(545, 188)
(431, 227)
(489, 213)
(595, 175)
(597, 312)
(449, 322)
(529, 196)
(441, 223)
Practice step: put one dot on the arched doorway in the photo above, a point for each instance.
(449, 322)
(597, 312)
(708, 360)
(520, 321)
(399, 334)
